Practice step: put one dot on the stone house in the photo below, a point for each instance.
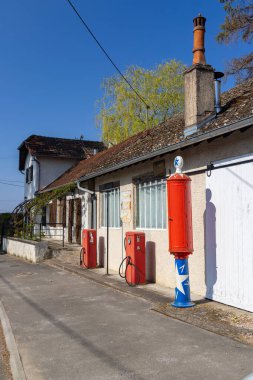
(42, 159)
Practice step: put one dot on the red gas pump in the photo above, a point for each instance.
(135, 272)
(88, 254)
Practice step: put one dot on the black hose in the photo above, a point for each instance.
(121, 266)
(129, 264)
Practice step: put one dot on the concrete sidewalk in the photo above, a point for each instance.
(69, 327)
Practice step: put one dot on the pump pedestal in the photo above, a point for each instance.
(182, 289)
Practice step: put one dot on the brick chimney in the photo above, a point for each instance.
(198, 81)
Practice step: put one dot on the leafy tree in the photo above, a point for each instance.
(238, 24)
(123, 114)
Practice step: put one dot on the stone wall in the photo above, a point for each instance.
(28, 250)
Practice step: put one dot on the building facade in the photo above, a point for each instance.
(124, 189)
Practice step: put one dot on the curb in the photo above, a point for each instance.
(16, 365)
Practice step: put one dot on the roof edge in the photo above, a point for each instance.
(56, 187)
(242, 123)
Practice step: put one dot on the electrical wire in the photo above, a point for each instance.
(107, 55)
(9, 200)
(10, 184)
(10, 180)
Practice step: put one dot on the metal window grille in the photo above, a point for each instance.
(151, 204)
(113, 198)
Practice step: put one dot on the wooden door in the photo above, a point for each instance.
(70, 219)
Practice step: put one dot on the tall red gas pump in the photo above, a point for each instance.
(180, 230)
(88, 254)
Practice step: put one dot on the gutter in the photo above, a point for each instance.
(84, 189)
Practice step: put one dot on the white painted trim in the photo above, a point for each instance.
(111, 228)
(150, 229)
(233, 160)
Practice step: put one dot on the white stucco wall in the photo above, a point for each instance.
(51, 168)
(28, 250)
(43, 174)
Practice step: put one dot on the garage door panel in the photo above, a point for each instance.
(228, 235)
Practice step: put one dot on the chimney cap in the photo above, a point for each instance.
(199, 21)
(218, 74)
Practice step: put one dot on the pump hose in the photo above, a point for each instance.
(129, 264)
(81, 258)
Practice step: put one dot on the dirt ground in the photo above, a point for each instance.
(212, 316)
(5, 371)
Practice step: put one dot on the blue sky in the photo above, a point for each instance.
(51, 70)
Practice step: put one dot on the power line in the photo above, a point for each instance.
(9, 200)
(107, 55)
(10, 180)
(10, 184)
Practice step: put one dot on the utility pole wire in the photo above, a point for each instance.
(107, 55)
(9, 184)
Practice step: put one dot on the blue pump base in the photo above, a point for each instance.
(182, 290)
(182, 304)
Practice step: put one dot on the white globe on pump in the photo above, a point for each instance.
(178, 163)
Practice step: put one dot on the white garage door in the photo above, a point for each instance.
(229, 233)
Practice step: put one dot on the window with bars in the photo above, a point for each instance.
(113, 198)
(151, 204)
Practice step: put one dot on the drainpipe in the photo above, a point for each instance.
(217, 88)
(93, 198)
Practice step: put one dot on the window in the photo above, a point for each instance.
(112, 196)
(29, 174)
(151, 204)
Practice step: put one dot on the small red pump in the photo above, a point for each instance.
(135, 272)
(88, 253)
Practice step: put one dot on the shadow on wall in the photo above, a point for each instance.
(101, 251)
(210, 244)
(150, 261)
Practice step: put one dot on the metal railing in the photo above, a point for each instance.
(33, 231)
(51, 230)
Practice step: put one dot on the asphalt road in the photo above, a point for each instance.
(68, 327)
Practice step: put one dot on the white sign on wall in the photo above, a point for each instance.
(125, 206)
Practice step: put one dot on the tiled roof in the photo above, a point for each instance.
(57, 147)
(237, 104)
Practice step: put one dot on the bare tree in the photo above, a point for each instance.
(238, 25)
